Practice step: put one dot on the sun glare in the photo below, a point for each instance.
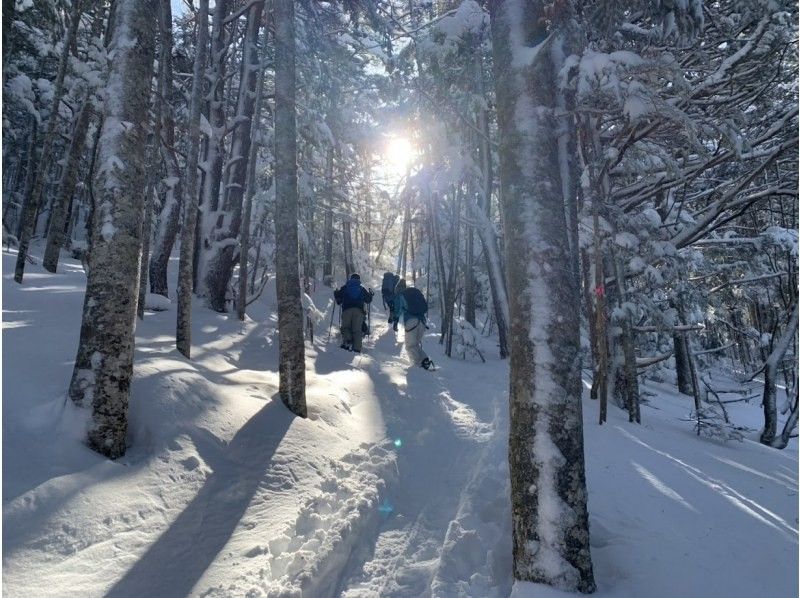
(399, 153)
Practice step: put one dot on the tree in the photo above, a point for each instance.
(292, 368)
(183, 335)
(548, 486)
(104, 364)
(33, 197)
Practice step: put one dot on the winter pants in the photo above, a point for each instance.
(415, 332)
(352, 320)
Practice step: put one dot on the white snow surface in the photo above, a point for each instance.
(396, 485)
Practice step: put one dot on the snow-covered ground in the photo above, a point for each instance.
(396, 485)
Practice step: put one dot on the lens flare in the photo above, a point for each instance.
(398, 443)
(386, 508)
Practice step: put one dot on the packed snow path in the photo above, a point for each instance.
(396, 485)
(223, 492)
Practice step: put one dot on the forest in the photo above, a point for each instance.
(597, 200)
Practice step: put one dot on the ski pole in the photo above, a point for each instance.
(333, 311)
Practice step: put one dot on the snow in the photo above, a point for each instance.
(396, 485)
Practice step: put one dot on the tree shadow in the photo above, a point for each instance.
(177, 560)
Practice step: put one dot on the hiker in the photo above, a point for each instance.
(387, 292)
(411, 307)
(352, 297)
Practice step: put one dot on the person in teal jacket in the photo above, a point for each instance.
(414, 326)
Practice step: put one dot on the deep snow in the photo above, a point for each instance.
(396, 484)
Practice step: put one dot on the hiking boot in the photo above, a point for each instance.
(427, 364)
(394, 326)
(345, 346)
(356, 350)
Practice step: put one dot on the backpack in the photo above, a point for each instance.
(388, 284)
(353, 290)
(415, 302)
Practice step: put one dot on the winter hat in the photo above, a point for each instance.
(401, 286)
(355, 276)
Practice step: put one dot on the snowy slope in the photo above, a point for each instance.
(396, 485)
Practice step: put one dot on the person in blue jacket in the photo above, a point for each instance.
(411, 308)
(352, 297)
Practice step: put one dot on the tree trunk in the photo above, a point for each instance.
(327, 264)
(770, 380)
(33, 199)
(347, 241)
(244, 252)
(210, 214)
(169, 217)
(469, 278)
(104, 363)
(491, 255)
(631, 381)
(292, 369)
(152, 181)
(548, 484)
(682, 368)
(183, 336)
(69, 180)
(221, 257)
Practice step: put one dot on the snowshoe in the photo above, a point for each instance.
(427, 364)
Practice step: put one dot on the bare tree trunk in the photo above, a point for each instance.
(152, 181)
(292, 368)
(104, 363)
(770, 381)
(631, 382)
(548, 484)
(244, 252)
(469, 278)
(327, 264)
(69, 180)
(169, 217)
(683, 368)
(215, 149)
(221, 257)
(347, 241)
(491, 255)
(34, 198)
(183, 336)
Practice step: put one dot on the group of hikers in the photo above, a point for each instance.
(406, 304)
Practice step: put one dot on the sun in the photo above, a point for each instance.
(399, 153)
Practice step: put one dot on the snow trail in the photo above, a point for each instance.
(396, 484)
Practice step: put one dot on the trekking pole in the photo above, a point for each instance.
(331, 324)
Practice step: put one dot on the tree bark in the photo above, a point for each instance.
(104, 363)
(66, 189)
(215, 150)
(292, 372)
(221, 258)
(183, 336)
(548, 484)
(244, 252)
(770, 380)
(169, 216)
